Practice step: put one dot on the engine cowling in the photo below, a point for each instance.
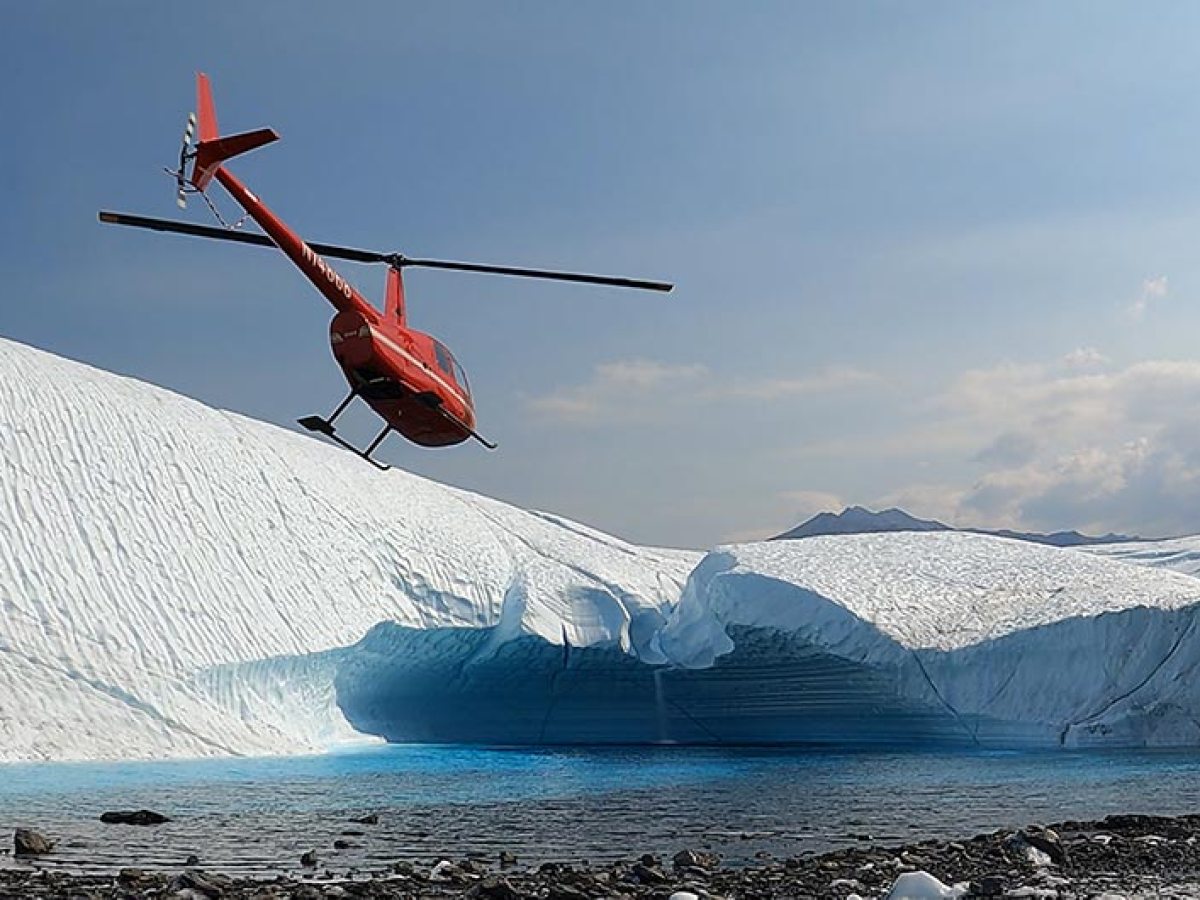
(351, 339)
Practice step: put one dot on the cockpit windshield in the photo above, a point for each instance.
(448, 364)
(461, 377)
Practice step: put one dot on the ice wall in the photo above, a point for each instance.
(997, 642)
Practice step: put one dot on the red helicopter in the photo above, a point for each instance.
(407, 377)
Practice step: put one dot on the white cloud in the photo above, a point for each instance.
(749, 535)
(632, 390)
(925, 501)
(1153, 289)
(834, 378)
(616, 389)
(644, 373)
(1084, 358)
(806, 504)
(1116, 450)
(1011, 448)
(788, 509)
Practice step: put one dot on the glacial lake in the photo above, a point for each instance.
(257, 816)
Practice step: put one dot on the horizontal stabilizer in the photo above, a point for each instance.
(210, 154)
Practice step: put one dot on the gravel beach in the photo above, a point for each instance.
(1123, 856)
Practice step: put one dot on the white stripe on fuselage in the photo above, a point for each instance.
(388, 342)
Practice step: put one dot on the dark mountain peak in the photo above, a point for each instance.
(1059, 538)
(860, 520)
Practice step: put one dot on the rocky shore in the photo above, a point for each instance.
(1126, 856)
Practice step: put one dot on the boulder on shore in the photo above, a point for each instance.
(27, 842)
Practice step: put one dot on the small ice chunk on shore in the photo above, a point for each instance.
(923, 886)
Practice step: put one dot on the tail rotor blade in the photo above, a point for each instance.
(185, 153)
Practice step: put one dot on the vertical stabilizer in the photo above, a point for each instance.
(393, 307)
(206, 112)
(214, 149)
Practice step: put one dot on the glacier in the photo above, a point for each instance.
(1178, 554)
(177, 580)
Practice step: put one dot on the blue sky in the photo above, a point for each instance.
(935, 254)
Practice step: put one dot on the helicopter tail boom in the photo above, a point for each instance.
(214, 149)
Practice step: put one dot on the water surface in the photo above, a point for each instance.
(257, 816)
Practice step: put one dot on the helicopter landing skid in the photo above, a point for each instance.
(471, 431)
(325, 427)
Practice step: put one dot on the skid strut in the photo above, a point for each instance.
(325, 427)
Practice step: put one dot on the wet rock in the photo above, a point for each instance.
(133, 817)
(306, 892)
(991, 886)
(447, 871)
(649, 874)
(206, 884)
(494, 887)
(694, 859)
(565, 892)
(1138, 824)
(507, 860)
(1046, 840)
(309, 859)
(27, 842)
(131, 875)
(192, 861)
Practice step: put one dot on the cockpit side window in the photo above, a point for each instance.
(444, 360)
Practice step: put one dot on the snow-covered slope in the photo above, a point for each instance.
(1179, 554)
(172, 577)
(931, 590)
(176, 580)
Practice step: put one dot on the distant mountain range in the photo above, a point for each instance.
(860, 520)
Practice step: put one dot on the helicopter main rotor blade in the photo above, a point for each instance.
(534, 273)
(237, 237)
(353, 254)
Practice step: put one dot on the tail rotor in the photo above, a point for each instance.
(187, 152)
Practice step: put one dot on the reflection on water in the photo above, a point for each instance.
(258, 816)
